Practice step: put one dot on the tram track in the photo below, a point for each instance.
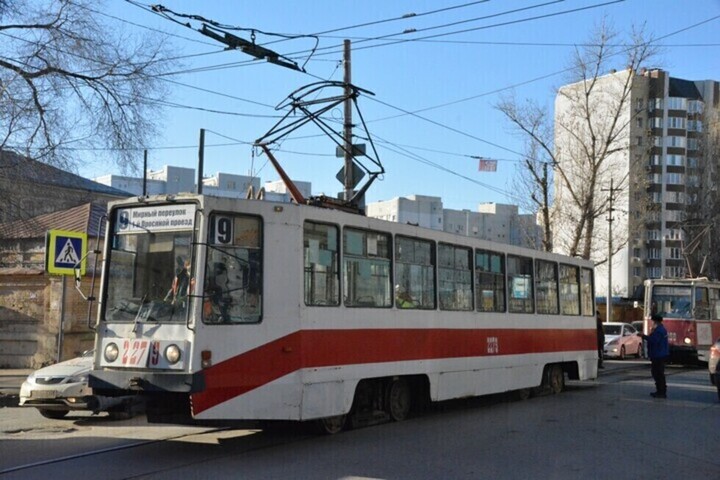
(100, 451)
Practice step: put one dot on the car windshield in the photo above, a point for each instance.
(612, 329)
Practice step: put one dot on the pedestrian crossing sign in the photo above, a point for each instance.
(64, 251)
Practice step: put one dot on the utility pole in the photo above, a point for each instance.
(348, 182)
(608, 301)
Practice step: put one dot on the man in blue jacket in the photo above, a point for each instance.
(658, 351)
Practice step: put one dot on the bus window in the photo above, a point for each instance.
(586, 289)
(322, 272)
(233, 270)
(520, 284)
(414, 273)
(489, 281)
(366, 268)
(569, 290)
(546, 287)
(455, 277)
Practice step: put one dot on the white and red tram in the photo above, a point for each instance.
(219, 309)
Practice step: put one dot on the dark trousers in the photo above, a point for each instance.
(657, 368)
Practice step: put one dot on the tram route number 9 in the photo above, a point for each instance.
(223, 230)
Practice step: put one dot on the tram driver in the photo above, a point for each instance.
(217, 298)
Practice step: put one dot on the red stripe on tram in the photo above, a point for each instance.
(324, 348)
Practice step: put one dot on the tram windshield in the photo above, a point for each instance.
(149, 274)
(671, 301)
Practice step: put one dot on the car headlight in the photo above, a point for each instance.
(78, 379)
(687, 341)
(111, 352)
(172, 354)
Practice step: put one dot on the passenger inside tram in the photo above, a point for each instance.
(402, 298)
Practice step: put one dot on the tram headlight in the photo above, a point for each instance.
(687, 341)
(172, 354)
(111, 352)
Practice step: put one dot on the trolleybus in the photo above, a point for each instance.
(690, 308)
(219, 309)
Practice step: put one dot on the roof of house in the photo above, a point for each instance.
(84, 218)
(684, 88)
(14, 166)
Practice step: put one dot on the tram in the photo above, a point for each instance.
(690, 308)
(221, 310)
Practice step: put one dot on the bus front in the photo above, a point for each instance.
(147, 305)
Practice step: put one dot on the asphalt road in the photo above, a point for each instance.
(610, 428)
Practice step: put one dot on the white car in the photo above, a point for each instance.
(621, 340)
(59, 388)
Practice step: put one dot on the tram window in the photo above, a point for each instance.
(414, 273)
(489, 281)
(546, 287)
(586, 289)
(366, 268)
(233, 270)
(714, 304)
(702, 304)
(455, 277)
(569, 290)
(322, 272)
(520, 284)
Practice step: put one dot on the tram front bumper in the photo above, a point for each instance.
(135, 381)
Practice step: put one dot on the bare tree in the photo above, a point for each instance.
(701, 225)
(534, 175)
(591, 142)
(69, 81)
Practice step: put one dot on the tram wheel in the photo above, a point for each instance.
(398, 399)
(556, 379)
(332, 425)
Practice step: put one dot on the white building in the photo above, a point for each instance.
(660, 154)
(496, 222)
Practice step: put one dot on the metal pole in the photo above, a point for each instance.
(608, 304)
(201, 161)
(62, 321)
(145, 174)
(348, 183)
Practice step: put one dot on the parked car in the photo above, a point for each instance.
(621, 340)
(59, 388)
(713, 364)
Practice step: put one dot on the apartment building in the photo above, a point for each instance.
(663, 157)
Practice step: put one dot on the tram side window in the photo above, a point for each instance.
(455, 277)
(569, 290)
(546, 278)
(321, 264)
(702, 304)
(520, 284)
(586, 289)
(489, 281)
(414, 273)
(366, 268)
(715, 304)
(233, 270)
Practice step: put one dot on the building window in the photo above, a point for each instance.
(677, 103)
(676, 122)
(639, 140)
(639, 122)
(639, 104)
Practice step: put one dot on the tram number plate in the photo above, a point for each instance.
(135, 352)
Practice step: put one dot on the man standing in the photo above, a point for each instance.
(658, 351)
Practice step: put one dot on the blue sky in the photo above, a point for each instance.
(462, 74)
